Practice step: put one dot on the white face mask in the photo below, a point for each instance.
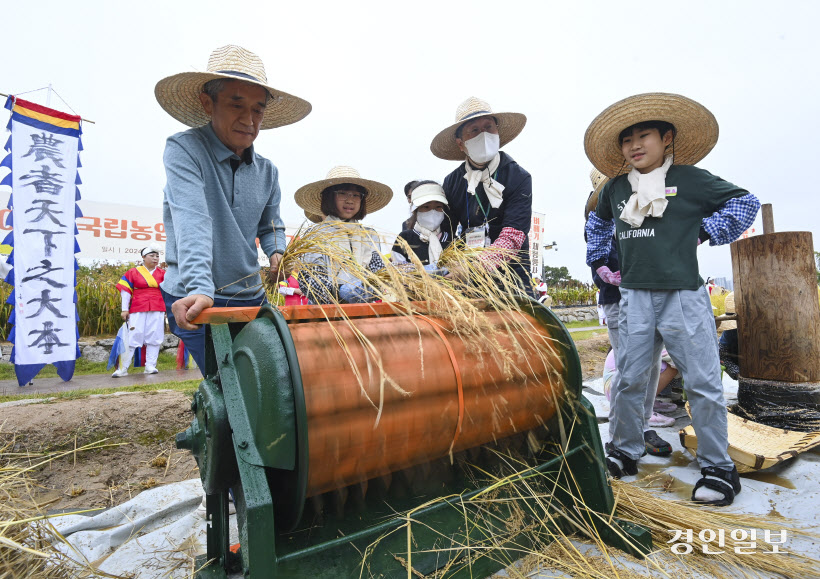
(483, 147)
(430, 219)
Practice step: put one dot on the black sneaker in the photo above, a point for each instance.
(630, 465)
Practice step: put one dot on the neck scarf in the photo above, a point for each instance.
(358, 240)
(648, 194)
(431, 238)
(493, 189)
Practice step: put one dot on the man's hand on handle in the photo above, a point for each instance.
(188, 308)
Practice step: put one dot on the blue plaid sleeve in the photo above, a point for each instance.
(599, 237)
(731, 220)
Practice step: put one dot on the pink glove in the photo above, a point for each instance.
(608, 276)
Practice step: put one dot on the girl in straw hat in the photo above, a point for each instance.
(489, 195)
(661, 210)
(344, 198)
(431, 232)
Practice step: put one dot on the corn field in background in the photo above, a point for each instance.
(580, 295)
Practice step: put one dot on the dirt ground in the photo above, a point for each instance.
(145, 422)
(592, 352)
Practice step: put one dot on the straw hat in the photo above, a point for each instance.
(729, 306)
(309, 197)
(696, 129)
(314, 217)
(598, 181)
(428, 192)
(179, 94)
(444, 146)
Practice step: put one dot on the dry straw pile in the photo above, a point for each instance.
(28, 542)
(520, 523)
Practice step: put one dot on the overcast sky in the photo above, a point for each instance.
(385, 77)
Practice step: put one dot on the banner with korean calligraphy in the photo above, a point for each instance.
(43, 157)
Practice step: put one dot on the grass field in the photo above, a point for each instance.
(583, 324)
(578, 336)
(186, 386)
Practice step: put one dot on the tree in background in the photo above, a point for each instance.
(554, 276)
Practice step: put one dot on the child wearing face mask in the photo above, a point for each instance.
(430, 233)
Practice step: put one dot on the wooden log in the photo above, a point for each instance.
(768, 218)
(777, 306)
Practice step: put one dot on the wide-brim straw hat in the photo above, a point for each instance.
(696, 129)
(729, 307)
(179, 94)
(598, 180)
(314, 217)
(309, 197)
(444, 145)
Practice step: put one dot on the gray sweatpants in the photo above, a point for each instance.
(612, 311)
(682, 321)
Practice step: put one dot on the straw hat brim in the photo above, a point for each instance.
(444, 144)
(309, 197)
(592, 200)
(178, 95)
(314, 217)
(696, 128)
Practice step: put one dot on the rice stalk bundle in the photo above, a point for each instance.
(642, 502)
(458, 303)
(519, 522)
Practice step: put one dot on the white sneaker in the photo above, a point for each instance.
(150, 370)
(660, 420)
(120, 372)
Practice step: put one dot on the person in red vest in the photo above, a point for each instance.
(293, 294)
(144, 310)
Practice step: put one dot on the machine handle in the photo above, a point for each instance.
(226, 315)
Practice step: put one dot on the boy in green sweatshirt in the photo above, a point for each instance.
(661, 208)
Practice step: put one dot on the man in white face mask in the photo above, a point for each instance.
(489, 195)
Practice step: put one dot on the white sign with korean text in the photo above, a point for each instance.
(536, 243)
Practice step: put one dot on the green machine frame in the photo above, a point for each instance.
(252, 395)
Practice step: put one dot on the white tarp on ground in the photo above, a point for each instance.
(156, 534)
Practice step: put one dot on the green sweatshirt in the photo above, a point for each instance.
(662, 252)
